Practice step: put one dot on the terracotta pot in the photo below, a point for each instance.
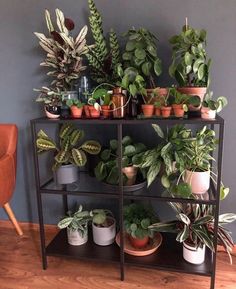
(93, 112)
(131, 173)
(106, 111)
(199, 91)
(166, 111)
(199, 181)
(207, 113)
(148, 109)
(118, 103)
(86, 110)
(160, 93)
(178, 110)
(76, 112)
(157, 111)
(138, 243)
(192, 254)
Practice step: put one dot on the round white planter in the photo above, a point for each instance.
(207, 113)
(75, 238)
(199, 181)
(67, 174)
(104, 236)
(193, 255)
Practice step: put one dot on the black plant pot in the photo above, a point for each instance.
(65, 111)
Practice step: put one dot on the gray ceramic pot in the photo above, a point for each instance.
(67, 174)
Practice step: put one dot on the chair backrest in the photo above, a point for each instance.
(8, 140)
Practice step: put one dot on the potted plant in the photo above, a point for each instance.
(181, 101)
(195, 229)
(210, 106)
(76, 107)
(166, 106)
(104, 227)
(68, 153)
(137, 220)
(64, 57)
(107, 169)
(190, 65)
(104, 56)
(51, 98)
(77, 226)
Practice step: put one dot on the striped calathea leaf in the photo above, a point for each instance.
(45, 144)
(92, 147)
(76, 136)
(79, 157)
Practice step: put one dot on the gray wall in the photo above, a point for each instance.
(20, 72)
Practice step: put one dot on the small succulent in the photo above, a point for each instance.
(100, 217)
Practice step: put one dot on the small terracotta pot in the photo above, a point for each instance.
(76, 112)
(207, 113)
(138, 243)
(86, 110)
(148, 109)
(131, 173)
(93, 112)
(157, 111)
(166, 111)
(106, 111)
(192, 91)
(178, 110)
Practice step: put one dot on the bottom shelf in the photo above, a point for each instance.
(168, 257)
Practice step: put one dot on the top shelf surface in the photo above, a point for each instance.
(132, 121)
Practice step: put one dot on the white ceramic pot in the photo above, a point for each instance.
(207, 113)
(67, 174)
(131, 173)
(75, 238)
(199, 181)
(193, 254)
(104, 236)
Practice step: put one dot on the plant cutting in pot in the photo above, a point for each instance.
(137, 219)
(195, 229)
(104, 227)
(107, 169)
(181, 101)
(65, 53)
(210, 106)
(77, 226)
(76, 107)
(190, 65)
(52, 99)
(166, 106)
(68, 153)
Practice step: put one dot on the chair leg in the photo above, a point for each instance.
(13, 218)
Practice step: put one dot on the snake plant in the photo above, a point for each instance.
(104, 57)
(68, 151)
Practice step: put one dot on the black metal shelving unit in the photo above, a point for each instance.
(169, 255)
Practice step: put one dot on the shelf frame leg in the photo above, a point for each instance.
(121, 202)
(217, 206)
(39, 198)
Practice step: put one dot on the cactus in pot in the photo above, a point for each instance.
(69, 154)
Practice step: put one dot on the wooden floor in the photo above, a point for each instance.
(20, 268)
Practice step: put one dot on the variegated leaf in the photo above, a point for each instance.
(64, 223)
(61, 21)
(183, 235)
(81, 36)
(79, 157)
(183, 218)
(45, 144)
(92, 147)
(76, 136)
(49, 21)
(67, 40)
(62, 157)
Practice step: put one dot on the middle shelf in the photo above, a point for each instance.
(90, 186)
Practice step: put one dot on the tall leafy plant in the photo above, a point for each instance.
(64, 53)
(104, 57)
(68, 151)
(190, 65)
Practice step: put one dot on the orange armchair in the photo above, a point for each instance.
(8, 156)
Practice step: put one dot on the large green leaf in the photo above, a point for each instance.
(114, 144)
(113, 177)
(45, 144)
(158, 130)
(146, 68)
(62, 157)
(152, 50)
(79, 157)
(153, 172)
(130, 46)
(140, 53)
(129, 150)
(188, 59)
(158, 67)
(106, 154)
(196, 65)
(127, 140)
(64, 223)
(76, 136)
(201, 71)
(100, 171)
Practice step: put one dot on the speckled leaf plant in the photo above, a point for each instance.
(68, 151)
